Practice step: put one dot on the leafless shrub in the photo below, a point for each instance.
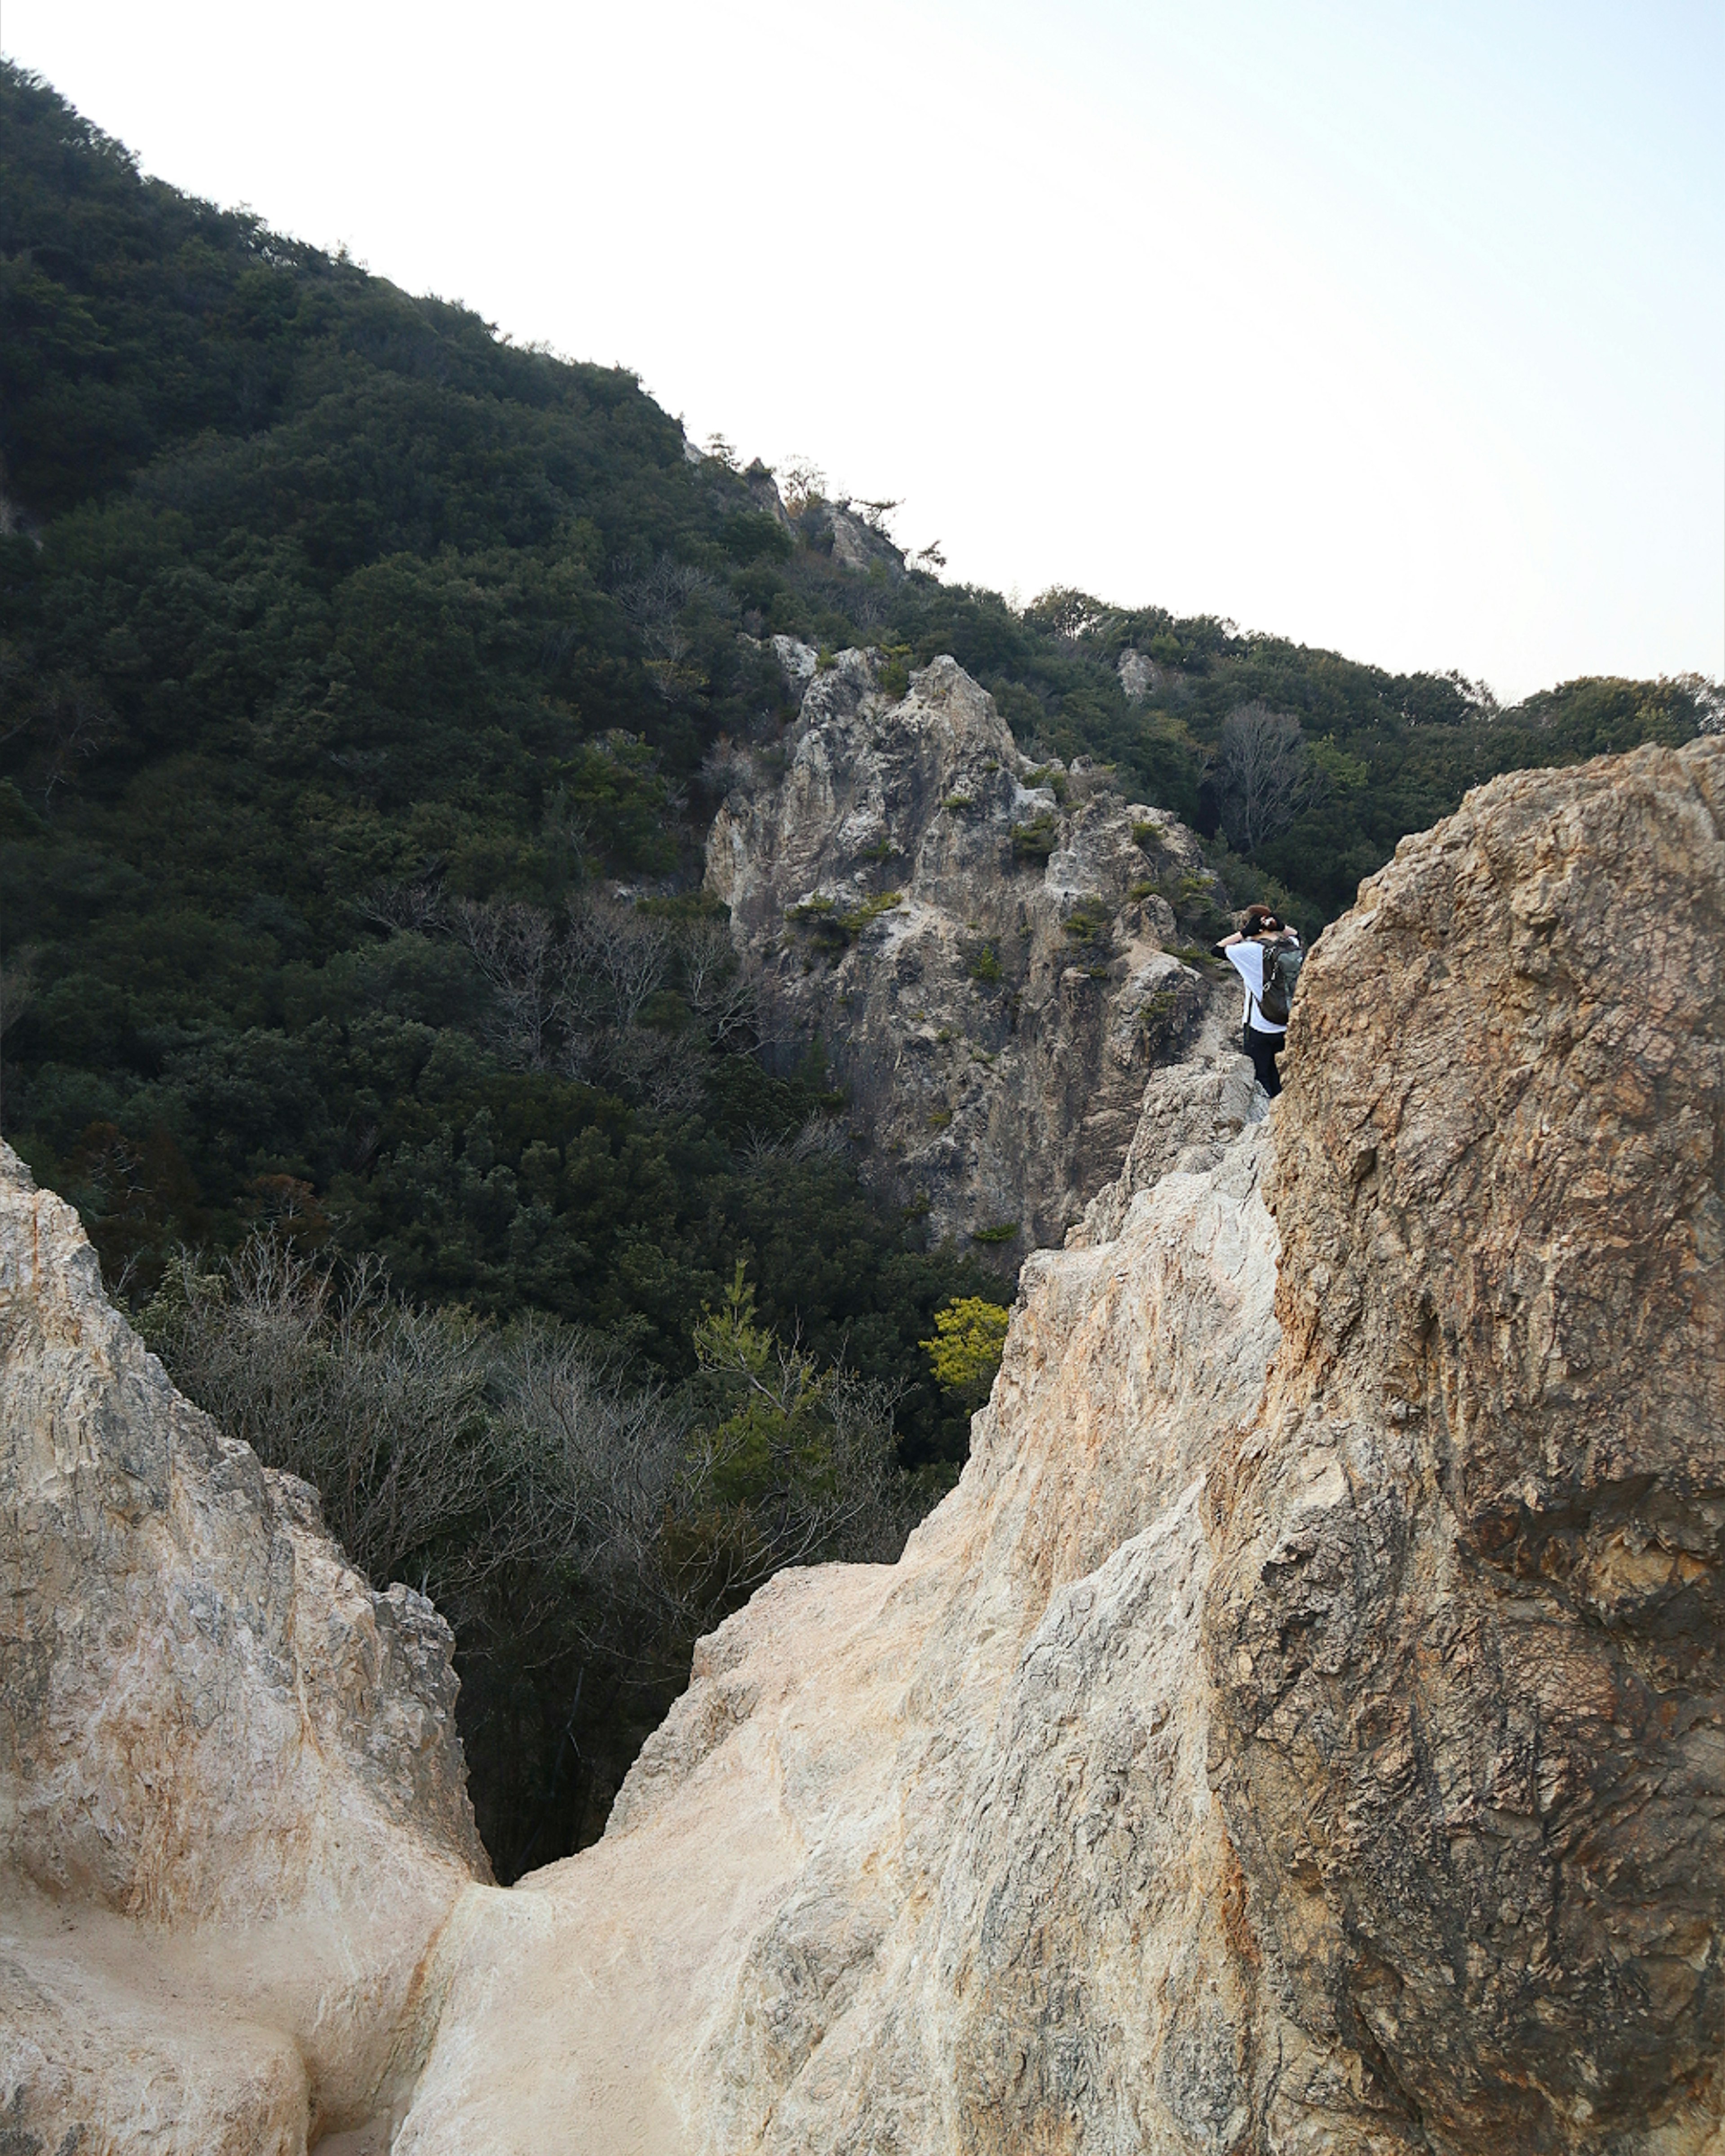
(570, 990)
(870, 606)
(728, 767)
(719, 993)
(601, 1460)
(819, 1138)
(802, 483)
(383, 1409)
(655, 1065)
(1265, 774)
(416, 908)
(623, 954)
(529, 966)
(637, 1493)
(654, 602)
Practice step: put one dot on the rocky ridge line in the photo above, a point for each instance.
(1299, 1730)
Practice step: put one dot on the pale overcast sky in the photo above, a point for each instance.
(1392, 327)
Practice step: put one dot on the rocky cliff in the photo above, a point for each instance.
(233, 1815)
(986, 950)
(1300, 1732)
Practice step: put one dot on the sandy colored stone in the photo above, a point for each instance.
(1299, 1730)
(232, 1816)
(1299, 1734)
(916, 1850)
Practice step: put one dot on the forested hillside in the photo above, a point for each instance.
(350, 656)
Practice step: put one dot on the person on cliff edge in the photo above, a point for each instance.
(1249, 951)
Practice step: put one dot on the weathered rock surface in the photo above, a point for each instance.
(987, 964)
(1465, 1630)
(1301, 1729)
(233, 1813)
(1139, 675)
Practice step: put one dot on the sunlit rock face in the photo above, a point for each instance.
(983, 949)
(233, 1810)
(1300, 1732)
(1465, 1632)
(1300, 1729)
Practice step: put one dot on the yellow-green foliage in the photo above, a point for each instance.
(832, 929)
(776, 1436)
(965, 1351)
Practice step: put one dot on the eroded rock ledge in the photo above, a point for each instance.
(1302, 1729)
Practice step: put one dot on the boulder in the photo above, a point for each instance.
(234, 1819)
(1465, 1632)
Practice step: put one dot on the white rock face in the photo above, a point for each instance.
(926, 1858)
(1139, 675)
(1300, 1732)
(981, 948)
(233, 1815)
(798, 659)
(858, 545)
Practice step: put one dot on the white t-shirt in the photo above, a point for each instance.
(1247, 960)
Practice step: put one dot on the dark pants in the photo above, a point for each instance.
(1263, 1048)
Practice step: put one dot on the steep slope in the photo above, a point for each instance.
(1299, 1730)
(233, 1818)
(982, 946)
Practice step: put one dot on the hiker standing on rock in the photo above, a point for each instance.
(1267, 957)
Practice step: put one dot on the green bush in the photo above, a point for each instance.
(1036, 840)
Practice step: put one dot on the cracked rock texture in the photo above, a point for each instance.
(1301, 1729)
(1465, 1632)
(984, 948)
(233, 1808)
(1301, 1733)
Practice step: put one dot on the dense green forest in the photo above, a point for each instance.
(351, 657)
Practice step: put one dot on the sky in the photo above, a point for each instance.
(1393, 328)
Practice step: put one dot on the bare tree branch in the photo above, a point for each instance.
(1266, 775)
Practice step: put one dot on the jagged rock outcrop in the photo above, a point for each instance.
(986, 963)
(233, 1811)
(1140, 675)
(1301, 1729)
(1466, 1631)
